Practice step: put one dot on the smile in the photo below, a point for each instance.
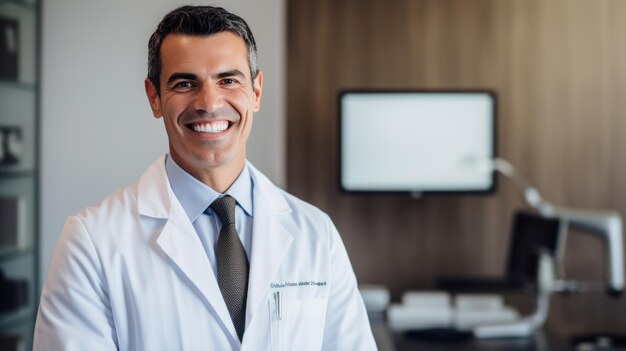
(209, 127)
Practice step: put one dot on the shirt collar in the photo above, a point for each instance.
(196, 196)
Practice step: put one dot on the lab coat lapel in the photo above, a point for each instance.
(182, 245)
(179, 240)
(270, 240)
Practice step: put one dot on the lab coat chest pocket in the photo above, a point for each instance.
(297, 324)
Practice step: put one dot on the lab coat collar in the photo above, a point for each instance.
(154, 192)
(275, 198)
(179, 241)
(196, 196)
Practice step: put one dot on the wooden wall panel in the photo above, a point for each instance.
(559, 69)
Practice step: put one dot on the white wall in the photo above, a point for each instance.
(97, 130)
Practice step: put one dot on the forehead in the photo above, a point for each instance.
(224, 50)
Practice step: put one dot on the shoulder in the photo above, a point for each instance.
(281, 201)
(106, 224)
(296, 215)
(115, 207)
(95, 231)
(301, 208)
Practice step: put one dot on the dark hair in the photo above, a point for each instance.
(198, 21)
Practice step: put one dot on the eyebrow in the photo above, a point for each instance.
(231, 73)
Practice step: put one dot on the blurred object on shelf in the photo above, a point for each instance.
(9, 36)
(11, 145)
(13, 293)
(375, 297)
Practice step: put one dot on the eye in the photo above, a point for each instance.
(182, 86)
(229, 81)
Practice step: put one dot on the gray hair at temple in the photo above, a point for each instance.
(198, 21)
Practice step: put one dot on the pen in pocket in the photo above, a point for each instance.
(279, 305)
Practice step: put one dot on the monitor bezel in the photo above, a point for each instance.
(415, 194)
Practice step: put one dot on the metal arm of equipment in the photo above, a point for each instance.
(605, 224)
(527, 325)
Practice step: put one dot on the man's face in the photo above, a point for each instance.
(207, 100)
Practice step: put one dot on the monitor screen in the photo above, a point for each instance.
(416, 141)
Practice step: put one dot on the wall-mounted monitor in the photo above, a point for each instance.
(417, 141)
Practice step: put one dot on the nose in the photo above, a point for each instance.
(208, 99)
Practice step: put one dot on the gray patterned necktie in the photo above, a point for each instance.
(232, 263)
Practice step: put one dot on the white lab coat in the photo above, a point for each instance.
(132, 274)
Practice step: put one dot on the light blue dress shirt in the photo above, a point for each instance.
(196, 197)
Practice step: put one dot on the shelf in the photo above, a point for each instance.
(6, 173)
(21, 3)
(17, 85)
(13, 253)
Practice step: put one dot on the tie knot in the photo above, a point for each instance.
(224, 207)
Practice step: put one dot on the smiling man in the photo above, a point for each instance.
(207, 96)
(203, 252)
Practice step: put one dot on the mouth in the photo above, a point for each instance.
(209, 127)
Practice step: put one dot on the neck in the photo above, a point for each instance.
(218, 178)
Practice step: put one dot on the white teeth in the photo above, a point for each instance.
(214, 127)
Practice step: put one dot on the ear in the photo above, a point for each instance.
(257, 88)
(153, 98)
